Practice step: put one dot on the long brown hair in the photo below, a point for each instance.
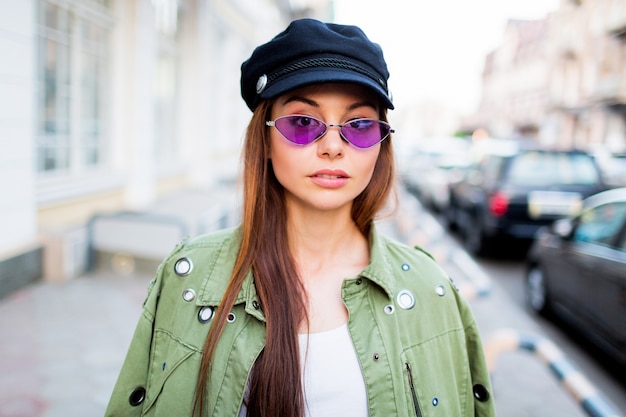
(275, 383)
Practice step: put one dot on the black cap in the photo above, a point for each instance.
(311, 52)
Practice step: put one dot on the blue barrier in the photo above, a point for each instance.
(574, 382)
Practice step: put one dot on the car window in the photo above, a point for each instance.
(490, 168)
(601, 224)
(543, 168)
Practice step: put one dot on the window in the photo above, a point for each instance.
(166, 13)
(601, 224)
(543, 168)
(73, 76)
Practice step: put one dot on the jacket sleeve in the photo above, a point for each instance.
(484, 402)
(129, 391)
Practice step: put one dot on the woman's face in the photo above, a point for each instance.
(328, 174)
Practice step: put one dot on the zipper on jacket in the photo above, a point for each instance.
(416, 405)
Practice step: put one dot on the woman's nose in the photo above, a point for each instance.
(331, 144)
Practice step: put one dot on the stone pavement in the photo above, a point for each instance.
(63, 343)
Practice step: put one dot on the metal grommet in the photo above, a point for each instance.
(256, 305)
(440, 290)
(406, 267)
(137, 396)
(189, 295)
(376, 356)
(358, 281)
(205, 314)
(435, 402)
(481, 393)
(231, 317)
(405, 299)
(261, 84)
(183, 267)
(389, 309)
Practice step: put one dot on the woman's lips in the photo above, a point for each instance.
(330, 178)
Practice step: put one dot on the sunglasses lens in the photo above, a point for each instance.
(365, 133)
(300, 130)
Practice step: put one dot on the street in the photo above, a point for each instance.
(507, 274)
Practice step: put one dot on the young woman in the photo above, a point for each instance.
(305, 309)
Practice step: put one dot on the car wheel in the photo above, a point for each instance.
(537, 295)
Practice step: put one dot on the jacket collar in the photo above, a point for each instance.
(380, 271)
(380, 268)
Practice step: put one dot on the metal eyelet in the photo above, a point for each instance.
(137, 396)
(405, 299)
(189, 295)
(183, 267)
(205, 314)
(440, 290)
(389, 309)
(231, 317)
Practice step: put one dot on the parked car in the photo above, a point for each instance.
(614, 170)
(511, 191)
(435, 164)
(576, 268)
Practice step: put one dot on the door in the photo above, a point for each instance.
(599, 257)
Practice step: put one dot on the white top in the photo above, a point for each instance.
(332, 379)
(333, 383)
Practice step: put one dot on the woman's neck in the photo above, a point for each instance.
(326, 250)
(322, 236)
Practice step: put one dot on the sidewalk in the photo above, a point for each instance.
(63, 344)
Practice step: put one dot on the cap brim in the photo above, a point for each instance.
(311, 76)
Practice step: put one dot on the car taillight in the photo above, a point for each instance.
(498, 204)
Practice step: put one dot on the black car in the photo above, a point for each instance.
(512, 192)
(577, 269)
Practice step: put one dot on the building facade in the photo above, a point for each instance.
(562, 80)
(108, 105)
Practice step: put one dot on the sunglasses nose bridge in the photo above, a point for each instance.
(339, 128)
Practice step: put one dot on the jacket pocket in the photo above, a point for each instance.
(438, 377)
(416, 405)
(172, 376)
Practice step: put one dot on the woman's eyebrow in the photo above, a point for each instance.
(353, 106)
(301, 99)
(360, 104)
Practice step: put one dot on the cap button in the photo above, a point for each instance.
(261, 84)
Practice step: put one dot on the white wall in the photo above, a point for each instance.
(133, 116)
(17, 91)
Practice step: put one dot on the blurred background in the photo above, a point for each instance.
(109, 105)
(121, 126)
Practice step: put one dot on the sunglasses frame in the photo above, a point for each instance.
(329, 125)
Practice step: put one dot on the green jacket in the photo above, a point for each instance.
(416, 339)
